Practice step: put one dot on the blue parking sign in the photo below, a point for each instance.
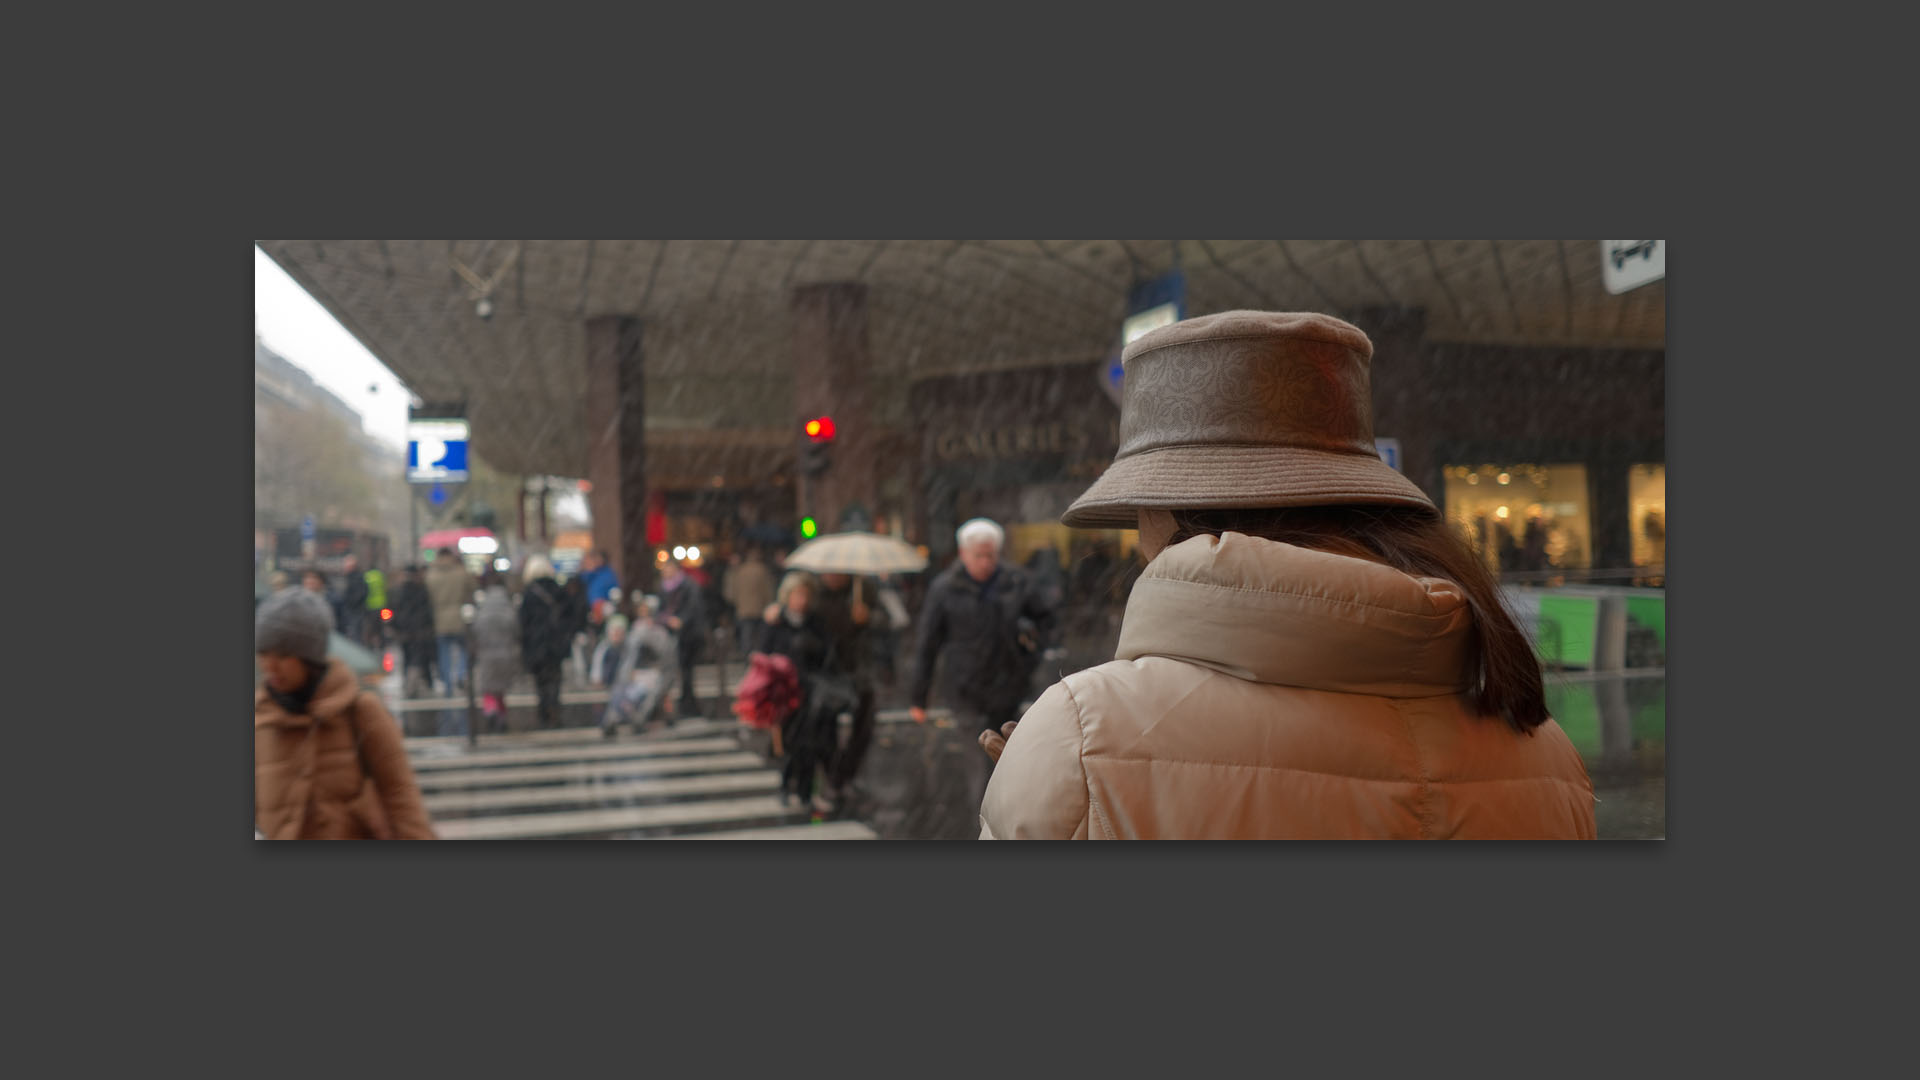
(437, 451)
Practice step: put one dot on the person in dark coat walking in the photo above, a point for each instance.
(792, 630)
(413, 625)
(683, 610)
(546, 621)
(847, 623)
(991, 623)
(353, 602)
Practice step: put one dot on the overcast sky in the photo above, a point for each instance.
(294, 325)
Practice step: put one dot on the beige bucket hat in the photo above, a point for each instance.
(1245, 409)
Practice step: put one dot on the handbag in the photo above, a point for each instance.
(834, 694)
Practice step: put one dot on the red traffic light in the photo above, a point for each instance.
(820, 429)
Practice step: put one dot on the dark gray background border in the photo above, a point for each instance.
(925, 949)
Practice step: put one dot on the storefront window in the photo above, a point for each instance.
(1523, 518)
(1647, 504)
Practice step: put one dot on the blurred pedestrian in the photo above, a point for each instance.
(846, 620)
(790, 629)
(606, 655)
(496, 649)
(451, 587)
(376, 602)
(991, 623)
(1507, 552)
(884, 630)
(579, 642)
(600, 582)
(546, 625)
(749, 589)
(1533, 546)
(1093, 590)
(329, 763)
(1311, 651)
(683, 610)
(413, 625)
(353, 602)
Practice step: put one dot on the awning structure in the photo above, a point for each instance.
(450, 538)
(719, 329)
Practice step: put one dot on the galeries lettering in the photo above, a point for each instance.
(1030, 440)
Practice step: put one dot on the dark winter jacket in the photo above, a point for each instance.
(413, 613)
(353, 594)
(806, 645)
(687, 602)
(835, 609)
(978, 626)
(546, 624)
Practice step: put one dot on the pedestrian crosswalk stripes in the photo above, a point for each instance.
(584, 823)
(453, 803)
(823, 830)
(566, 736)
(485, 759)
(585, 772)
(683, 782)
(700, 778)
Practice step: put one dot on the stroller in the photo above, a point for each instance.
(643, 675)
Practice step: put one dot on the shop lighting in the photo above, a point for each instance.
(1473, 478)
(660, 556)
(1505, 478)
(501, 565)
(1501, 513)
(679, 552)
(478, 545)
(693, 553)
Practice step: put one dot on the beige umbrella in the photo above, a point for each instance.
(858, 554)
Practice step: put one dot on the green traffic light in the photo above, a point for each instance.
(808, 528)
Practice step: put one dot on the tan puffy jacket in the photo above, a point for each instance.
(1266, 691)
(309, 780)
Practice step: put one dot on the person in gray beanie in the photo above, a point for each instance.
(296, 623)
(328, 760)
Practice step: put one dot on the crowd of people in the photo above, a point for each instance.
(1308, 650)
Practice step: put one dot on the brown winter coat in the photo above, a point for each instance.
(749, 589)
(307, 780)
(1266, 691)
(451, 588)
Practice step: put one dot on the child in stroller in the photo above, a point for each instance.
(636, 666)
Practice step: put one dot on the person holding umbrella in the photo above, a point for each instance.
(847, 618)
(842, 560)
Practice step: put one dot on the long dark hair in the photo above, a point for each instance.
(1506, 671)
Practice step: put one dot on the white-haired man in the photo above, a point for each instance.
(991, 623)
